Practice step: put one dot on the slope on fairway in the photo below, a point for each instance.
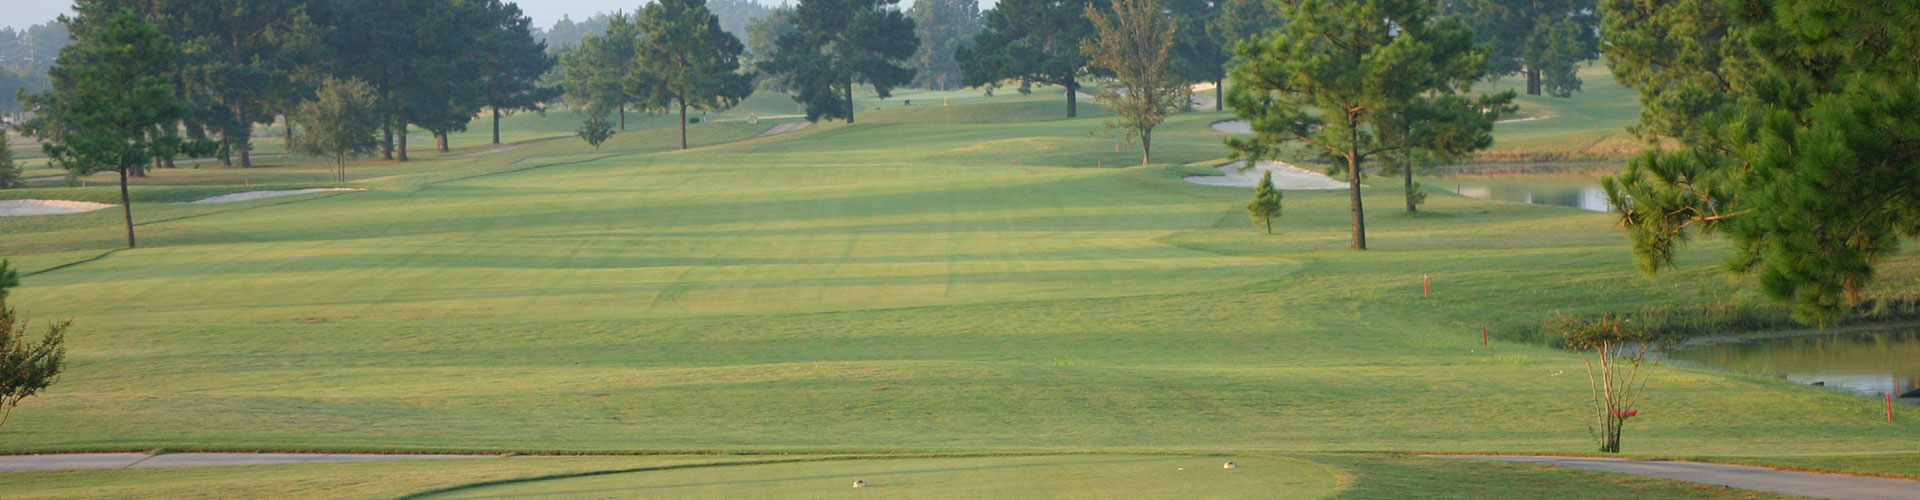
(902, 284)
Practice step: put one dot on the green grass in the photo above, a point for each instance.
(911, 283)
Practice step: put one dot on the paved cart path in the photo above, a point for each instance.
(72, 461)
(1805, 484)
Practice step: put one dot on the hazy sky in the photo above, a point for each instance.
(22, 13)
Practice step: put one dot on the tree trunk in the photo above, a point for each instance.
(226, 150)
(442, 137)
(126, 206)
(1269, 224)
(623, 118)
(1073, 93)
(683, 124)
(1220, 100)
(1353, 188)
(849, 100)
(403, 141)
(386, 140)
(287, 122)
(1408, 171)
(244, 141)
(1146, 147)
(496, 125)
(1533, 81)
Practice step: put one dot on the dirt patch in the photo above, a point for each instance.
(255, 195)
(497, 148)
(1285, 177)
(22, 208)
(784, 128)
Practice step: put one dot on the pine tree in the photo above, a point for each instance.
(30, 366)
(1342, 76)
(1265, 206)
(1794, 125)
(597, 129)
(597, 71)
(115, 90)
(687, 61)
(1030, 42)
(9, 172)
(1543, 40)
(838, 43)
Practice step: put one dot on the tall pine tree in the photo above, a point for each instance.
(687, 61)
(838, 43)
(1031, 42)
(1341, 76)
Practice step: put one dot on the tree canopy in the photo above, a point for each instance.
(1030, 42)
(1343, 75)
(943, 27)
(1543, 40)
(1793, 127)
(341, 122)
(597, 70)
(687, 61)
(115, 92)
(838, 43)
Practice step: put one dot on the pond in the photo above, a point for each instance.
(1867, 363)
(1578, 188)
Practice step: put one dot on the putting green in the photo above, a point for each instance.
(1057, 477)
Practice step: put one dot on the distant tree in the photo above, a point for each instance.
(340, 123)
(1265, 206)
(687, 61)
(567, 33)
(9, 172)
(597, 129)
(1031, 42)
(1135, 42)
(598, 70)
(1617, 370)
(1197, 56)
(26, 367)
(236, 57)
(735, 14)
(514, 64)
(1238, 21)
(115, 90)
(1789, 126)
(1545, 40)
(838, 43)
(942, 26)
(1343, 73)
(763, 39)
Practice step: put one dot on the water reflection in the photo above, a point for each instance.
(1577, 191)
(1866, 363)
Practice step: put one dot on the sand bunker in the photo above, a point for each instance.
(255, 195)
(784, 128)
(1518, 120)
(1233, 127)
(20, 208)
(1285, 177)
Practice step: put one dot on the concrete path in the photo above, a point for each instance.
(1805, 484)
(72, 461)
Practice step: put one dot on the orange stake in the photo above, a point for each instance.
(1426, 288)
(1889, 407)
(1483, 335)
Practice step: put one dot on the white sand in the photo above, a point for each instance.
(19, 208)
(784, 128)
(1518, 120)
(1233, 127)
(1285, 177)
(530, 159)
(255, 195)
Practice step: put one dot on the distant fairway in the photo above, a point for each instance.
(952, 279)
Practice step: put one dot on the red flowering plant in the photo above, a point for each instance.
(1617, 369)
